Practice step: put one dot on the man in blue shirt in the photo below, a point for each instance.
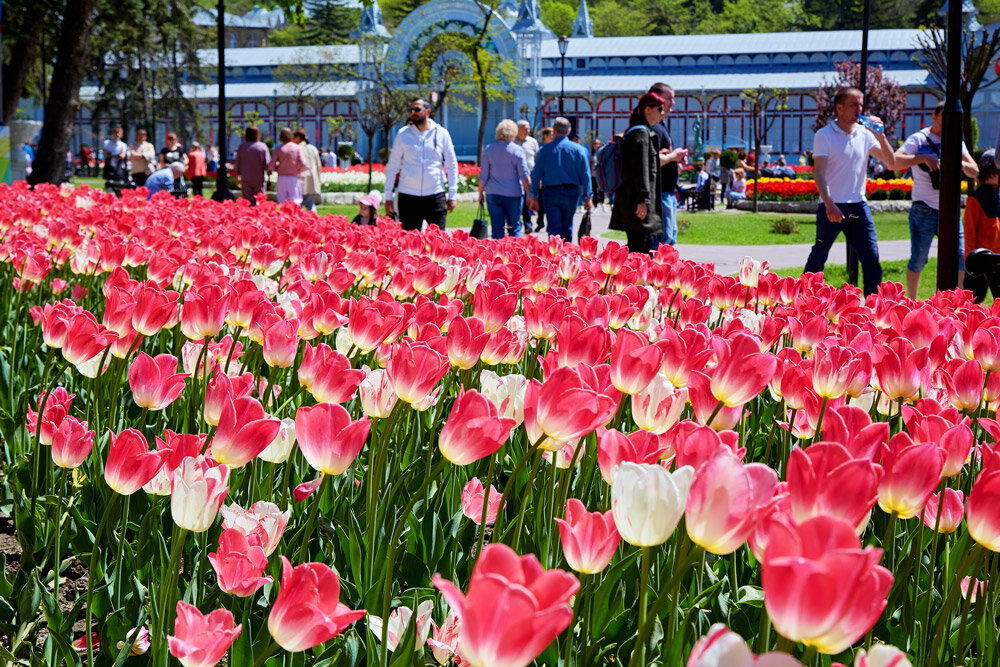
(563, 170)
(163, 179)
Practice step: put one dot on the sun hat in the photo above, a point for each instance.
(373, 199)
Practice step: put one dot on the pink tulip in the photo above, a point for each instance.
(954, 439)
(513, 608)
(328, 438)
(130, 463)
(494, 303)
(614, 447)
(473, 430)
(722, 647)
(589, 539)
(881, 655)
(912, 472)
(569, 405)
(174, 448)
(694, 444)
(657, 406)
(281, 343)
(981, 509)
(197, 492)
(202, 640)
(822, 554)
(634, 362)
(376, 393)
(244, 431)
(239, 563)
(327, 374)
(308, 610)
(467, 338)
(726, 501)
(414, 369)
(742, 370)
(963, 383)
(306, 489)
(473, 496)
(71, 443)
(825, 479)
(154, 309)
(57, 406)
(87, 339)
(444, 641)
(832, 370)
(223, 388)
(704, 403)
(951, 512)
(852, 427)
(204, 312)
(900, 368)
(374, 322)
(138, 639)
(972, 590)
(264, 520)
(399, 619)
(154, 382)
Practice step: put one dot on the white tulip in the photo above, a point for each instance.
(648, 501)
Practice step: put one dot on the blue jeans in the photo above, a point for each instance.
(859, 228)
(669, 236)
(559, 202)
(505, 213)
(923, 229)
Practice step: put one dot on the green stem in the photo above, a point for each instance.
(307, 531)
(509, 486)
(262, 658)
(970, 561)
(711, 417)
(486, 505)
(121, 554)
(640, 646)
(108, 511)
(373, 482)
(169, 593)
(524, 504)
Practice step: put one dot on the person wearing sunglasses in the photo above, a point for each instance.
(419, 152)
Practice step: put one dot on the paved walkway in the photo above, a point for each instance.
(727, 257)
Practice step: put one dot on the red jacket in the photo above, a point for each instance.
(197, 166)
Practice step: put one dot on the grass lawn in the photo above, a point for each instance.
(745, 228)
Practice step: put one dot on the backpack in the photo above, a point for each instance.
(610, 171)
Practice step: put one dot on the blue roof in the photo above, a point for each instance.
(764, 42)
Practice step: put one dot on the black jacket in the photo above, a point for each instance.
(641, 183)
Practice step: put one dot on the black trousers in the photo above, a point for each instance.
(197, 185)
(413, 210)
(978, 284)
(139, 178)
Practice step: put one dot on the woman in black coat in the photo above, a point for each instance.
(638, 208)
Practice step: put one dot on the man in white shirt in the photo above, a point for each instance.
(143, 158)
(840, 153)
(921, 153)
(115, 156)
(419, 151)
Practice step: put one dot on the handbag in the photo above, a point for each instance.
(584, 229)
(480, 227)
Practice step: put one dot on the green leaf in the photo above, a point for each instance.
(29, 599)
(751, 595)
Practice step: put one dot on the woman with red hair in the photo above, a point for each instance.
(638, 210)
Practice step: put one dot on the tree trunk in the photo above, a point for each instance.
(484, 108)
(967, 121)
(22, 57)
(64, 93)
(756, 165)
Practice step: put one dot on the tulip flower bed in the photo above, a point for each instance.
(788, 189)
(274, 438)
(355, 178)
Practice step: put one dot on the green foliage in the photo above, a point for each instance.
(728, 159)
(558, 15)
(345, 151)
(879, 195)
(974, 144)
(785, 226)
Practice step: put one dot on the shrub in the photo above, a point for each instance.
(383, 155)
(785, 226)
(728, 159)
(345, 151)
(879, 195)
(683, 224)
(897, 194)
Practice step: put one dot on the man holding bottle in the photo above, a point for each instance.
(921, 153)
(840, 153)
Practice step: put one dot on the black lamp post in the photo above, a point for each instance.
(222, 192)
(949, 211)
(563, 45)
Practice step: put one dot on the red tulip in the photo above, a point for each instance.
(154, 382)
(578, 343)
(223, 388)
(832, 370)
(614, 447)
(328, 438)
(981, 515)
(474, 429)
(414, 369)
(912, 472)
(239, 563)
(56, 408)
(612, 258)
(513, 608)
(473, 497)
(327, 374)
(71, 443)
(308, 610)
(374, 322)
(820, 587)
(693, 444)
(494, 303)
(244, 431)
(543, 313)
(634, 362)
(589, 539)
(87, 339)
(954, 440)
(726, 501)
(742, 370)
(826, 479)
(306, 489)
(963, 384)
(130, 463)
(852, 427)
(900, 368)
(951, 512)
(202, 640)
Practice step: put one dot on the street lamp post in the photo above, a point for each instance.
(222, 192)
(563, 45)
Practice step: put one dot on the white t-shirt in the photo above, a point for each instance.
(846, 156)
(918, 144)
